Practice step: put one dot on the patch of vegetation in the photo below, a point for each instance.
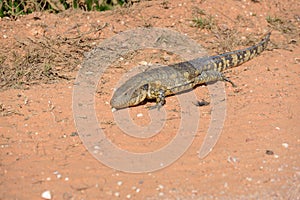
(281, 25)
(14, 8)
(273, 20)
(45, 59)
(204, 22)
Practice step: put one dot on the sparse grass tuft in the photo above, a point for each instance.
(204, 22)
(283, 26)
(273, 20)
(14, 8)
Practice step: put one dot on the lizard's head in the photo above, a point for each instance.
(128, 95)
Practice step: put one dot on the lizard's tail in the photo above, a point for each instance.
(232, 59)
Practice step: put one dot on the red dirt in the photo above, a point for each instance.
(256, 157)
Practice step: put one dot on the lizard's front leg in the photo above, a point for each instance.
(160, 96)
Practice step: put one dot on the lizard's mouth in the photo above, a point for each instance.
(119, 102)
(127, 99)
(123, 101)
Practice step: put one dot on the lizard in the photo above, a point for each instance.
(157, 83)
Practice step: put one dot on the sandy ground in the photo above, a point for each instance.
(257, 155)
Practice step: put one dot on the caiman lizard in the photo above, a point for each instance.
(163, 81)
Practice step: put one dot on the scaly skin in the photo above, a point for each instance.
(160, 82)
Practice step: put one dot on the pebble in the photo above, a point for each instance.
(232, 159)
(160, 187)
(269, 152)
(119, 183)
(117, 194)
(143, 63)
(249, 179)
(46, 195)
(139, 115)
(58, 175)
(285, 145)
(128, 196)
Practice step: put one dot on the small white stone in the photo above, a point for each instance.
(231, 159)
(128, 196)
(285, 145)
(4, 36)
(161, 194)
(160, 187)
(277, 128)
(225, 185)
(261, 167)
(119, 183)
(137, 190)
(139, 115)
(46, 195)
(97, 147)
(117, 194)
(143, 63)
(248, 178)
(276, 156)
(67, 178)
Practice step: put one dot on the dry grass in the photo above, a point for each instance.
(45, 59)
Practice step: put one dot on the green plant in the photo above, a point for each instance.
(14, 8)
(204, 22)
(273, 20)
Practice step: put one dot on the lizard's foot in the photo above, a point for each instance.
(160, 100)
(158, 106)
